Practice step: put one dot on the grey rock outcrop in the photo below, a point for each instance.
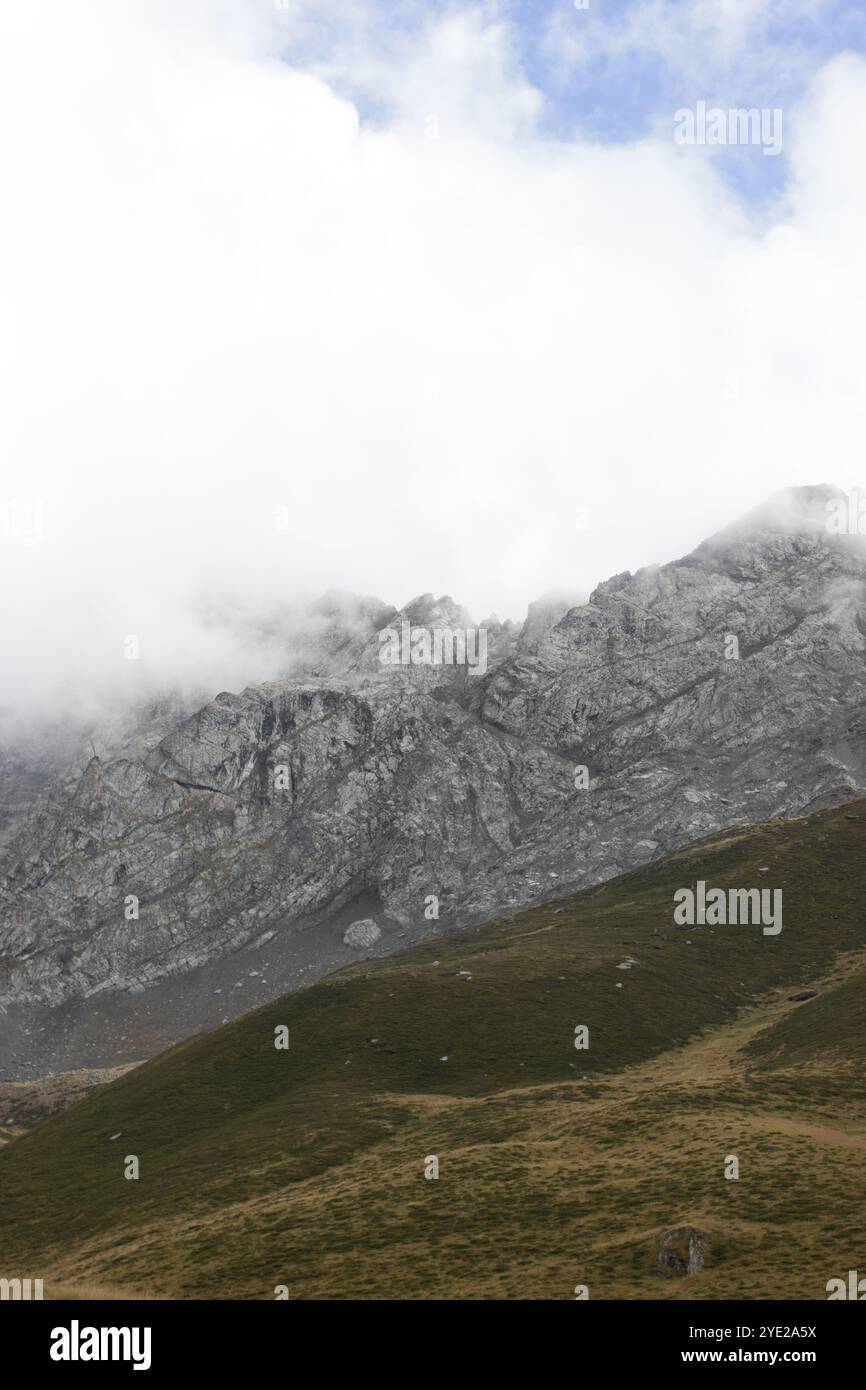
(682, 1251)
(353, 789)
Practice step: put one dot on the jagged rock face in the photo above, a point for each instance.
(641, 670)
(263, 807)
(384, 789)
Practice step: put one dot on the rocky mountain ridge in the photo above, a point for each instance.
(726, 687)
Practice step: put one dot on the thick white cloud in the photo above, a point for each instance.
(421, 346)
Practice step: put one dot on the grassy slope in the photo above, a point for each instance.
(24, 1103)
(262, 1167)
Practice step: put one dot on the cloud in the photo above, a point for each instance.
(262, 340)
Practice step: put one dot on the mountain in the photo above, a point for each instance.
(304, 1166)
(721, 689)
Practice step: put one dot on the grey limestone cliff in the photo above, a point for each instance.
(726, 687)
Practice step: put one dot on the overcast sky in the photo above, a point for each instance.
(398, 297)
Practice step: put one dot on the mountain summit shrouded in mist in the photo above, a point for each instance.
(295, 334)
(354, 944)
(250, 833)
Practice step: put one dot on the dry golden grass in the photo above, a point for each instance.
(100, 1293)
(557, 1167)
(598, 1177)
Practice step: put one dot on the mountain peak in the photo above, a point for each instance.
(774, 533)
(427, 611)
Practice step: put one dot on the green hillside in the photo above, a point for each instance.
(262, 1167)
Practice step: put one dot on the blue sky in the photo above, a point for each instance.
(617, 70)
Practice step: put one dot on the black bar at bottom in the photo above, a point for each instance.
(229, 1338)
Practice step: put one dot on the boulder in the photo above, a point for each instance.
(682, 1251)
(363, 933)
